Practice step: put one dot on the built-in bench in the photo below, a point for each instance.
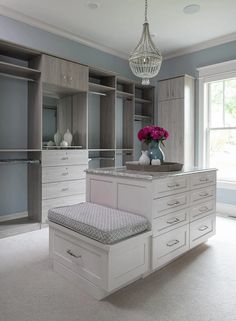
(100, 248)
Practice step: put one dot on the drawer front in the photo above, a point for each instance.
(61, 201)
(169, 204)
(64, 157)
(173, 185)
(80, 257)
(200, 195)
(205, 178)
(202, 210)
(170, 221)
(63, 173)
(202, 229)
(60, 189)
(170, 245)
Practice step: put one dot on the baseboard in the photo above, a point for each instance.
(14, 216)
(226, 209)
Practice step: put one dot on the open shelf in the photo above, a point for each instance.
(142, 101)
(99, 89)
(123, 94)
(19, 72)
(143, 118)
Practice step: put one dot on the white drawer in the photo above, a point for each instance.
(201, 179)
(169, 204)
(170, 221)
(63, 173)
(172, 185)
(60, 189)
(202, 229)
(80, 257)
(202, 210)
(203, 194)
(170, 245)
(61, 201)
(64, 157)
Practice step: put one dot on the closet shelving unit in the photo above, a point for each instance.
(20, 140)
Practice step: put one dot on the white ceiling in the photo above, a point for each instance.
(116, 25)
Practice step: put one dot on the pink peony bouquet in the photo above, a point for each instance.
(153, 133)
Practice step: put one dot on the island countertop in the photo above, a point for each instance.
(123, 172)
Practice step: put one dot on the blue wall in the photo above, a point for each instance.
(188, 64)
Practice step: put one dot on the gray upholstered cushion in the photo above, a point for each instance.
(106, 225)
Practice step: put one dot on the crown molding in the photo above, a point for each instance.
(13, 14)
(201, 46)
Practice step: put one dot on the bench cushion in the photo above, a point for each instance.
(106, 225)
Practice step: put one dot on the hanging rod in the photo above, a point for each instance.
(97, 93)
(20, 161)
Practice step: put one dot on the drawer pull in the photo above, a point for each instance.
(173, 185)
(173, 220)
(65, 174)
(172, 243)
(203, 228)
(203, 179)
(203, 209)
(204, 194)
(173, 203)
(64, 158)
(65, 189)
(74, 255)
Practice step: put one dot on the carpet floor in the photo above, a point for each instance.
(200, 286)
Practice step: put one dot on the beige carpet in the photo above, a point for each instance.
(201, 286)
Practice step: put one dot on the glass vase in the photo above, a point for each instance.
(155, 151)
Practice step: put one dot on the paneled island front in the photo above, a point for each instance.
(180, 206)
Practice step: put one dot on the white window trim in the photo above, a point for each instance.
(207, 74)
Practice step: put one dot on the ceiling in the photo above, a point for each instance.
(116, 25)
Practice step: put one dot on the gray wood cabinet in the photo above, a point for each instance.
(63, 73)
(176, 114)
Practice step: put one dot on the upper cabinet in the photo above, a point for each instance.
(171, 88)
(64, 74)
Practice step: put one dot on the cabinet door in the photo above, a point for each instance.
(163, 90)
(171, 117)
(51, 71)
(177, 87)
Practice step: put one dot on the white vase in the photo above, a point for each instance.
(64, 143)
(144, 159)
(57, 138)
(68, 137)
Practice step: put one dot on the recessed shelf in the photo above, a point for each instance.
(143, 118)
(100, 150)
(124, 94)
(61, 147)
(99, 89)
(101, 158)
(19, 150)
(20, 72)
(142, 101)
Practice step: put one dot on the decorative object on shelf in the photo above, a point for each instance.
(145, 61)
(68, 137)
(64, 143)
(144, 158)
(164, 167)
(154, 137)
(50, 143)
(57, 138)
(155, 162)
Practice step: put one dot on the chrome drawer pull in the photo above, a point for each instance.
(64, 158)
(74, 255)
(65, 189)
(204, 194)
(203, 209)
(174, 185)
(174, 203)
(172, 243)
(204, 179)
(65, 174)
(203, 228)
(173, 220)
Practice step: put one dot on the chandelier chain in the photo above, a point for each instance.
(146, 5)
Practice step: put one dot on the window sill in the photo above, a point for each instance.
(226, 185)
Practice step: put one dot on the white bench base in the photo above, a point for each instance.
(99, 269)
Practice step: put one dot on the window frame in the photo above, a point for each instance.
(207, 74)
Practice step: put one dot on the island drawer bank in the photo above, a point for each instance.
(180, 206)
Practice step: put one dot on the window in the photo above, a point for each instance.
(220, 102)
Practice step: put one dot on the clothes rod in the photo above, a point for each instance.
(20, 161)
(97, 93)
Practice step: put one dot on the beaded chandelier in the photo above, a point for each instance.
(145, 61)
